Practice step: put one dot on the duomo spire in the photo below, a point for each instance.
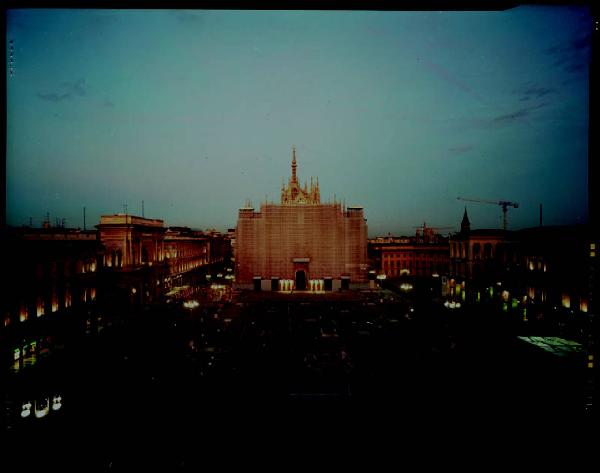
(294, 193)
(294, 165)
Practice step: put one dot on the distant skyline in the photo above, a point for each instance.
(196, 111)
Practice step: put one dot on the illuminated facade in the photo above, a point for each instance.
(301, 244)
(185, 250)
(147, 260)
(82, 277)
(131, 241)
(423, 255)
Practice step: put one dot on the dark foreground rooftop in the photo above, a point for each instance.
(225, 370)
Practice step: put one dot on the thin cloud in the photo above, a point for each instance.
(532, 92)
(450, 78)
(575, 44)
(52, 97)
(66, 90)
(535, 92)
(511, 116)
(517, 114)
(487, 123)
(572, 54)
(75, 88)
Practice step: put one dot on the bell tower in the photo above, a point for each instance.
(465, 225)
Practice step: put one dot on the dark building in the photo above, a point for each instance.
(53, 280)
(556, 263)
(531, 269)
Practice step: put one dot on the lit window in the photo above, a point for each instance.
(40, 307)
(22, 313)
(566, 301)
(67, 298)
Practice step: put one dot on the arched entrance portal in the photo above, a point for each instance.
(300, 280)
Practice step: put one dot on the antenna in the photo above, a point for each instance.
(84, 218)
(125, 207)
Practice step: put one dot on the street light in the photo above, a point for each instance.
(191, 305)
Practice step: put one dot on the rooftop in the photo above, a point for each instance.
(125, 219)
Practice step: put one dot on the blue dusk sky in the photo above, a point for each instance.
(194, 112)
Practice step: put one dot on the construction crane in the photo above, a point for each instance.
(503, 203)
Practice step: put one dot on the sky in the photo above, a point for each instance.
(195, 111)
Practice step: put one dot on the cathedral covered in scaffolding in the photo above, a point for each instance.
(301, 244)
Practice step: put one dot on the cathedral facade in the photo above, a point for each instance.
(301, 244)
